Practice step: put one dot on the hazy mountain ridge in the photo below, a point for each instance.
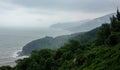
(54, 43)
(69, 24)
(86, 25)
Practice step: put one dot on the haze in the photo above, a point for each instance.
(43, 13)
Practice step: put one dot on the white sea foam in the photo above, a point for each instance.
(11, 60)
(16, 55)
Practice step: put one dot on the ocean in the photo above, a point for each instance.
(12, 41)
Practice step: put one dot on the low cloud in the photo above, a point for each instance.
(94, 6)
(43, 13)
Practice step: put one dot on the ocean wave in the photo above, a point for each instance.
(9, 63)
(17, 53)
(11, 60)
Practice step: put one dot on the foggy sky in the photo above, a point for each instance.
(43, 13)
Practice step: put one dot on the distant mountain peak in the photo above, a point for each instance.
(85, 25)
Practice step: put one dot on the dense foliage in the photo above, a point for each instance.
(103, 55)
(109, 34)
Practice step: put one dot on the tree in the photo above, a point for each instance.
(103, 34)
(118, 15)
(67, 56)
(6, 68)
(115, 22)
(113, 39)
(50, 64)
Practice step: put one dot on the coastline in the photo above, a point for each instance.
(18, 55)
(11, 60)
(12, 64)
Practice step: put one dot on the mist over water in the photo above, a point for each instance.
(12, 41)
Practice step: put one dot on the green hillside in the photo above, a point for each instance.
(57, 42)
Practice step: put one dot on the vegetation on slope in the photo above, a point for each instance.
(57, 42)
(103, 54)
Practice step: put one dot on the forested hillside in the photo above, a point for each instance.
(57, 42)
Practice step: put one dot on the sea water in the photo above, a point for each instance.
(12, 41)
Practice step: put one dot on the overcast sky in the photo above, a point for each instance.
(43, 13)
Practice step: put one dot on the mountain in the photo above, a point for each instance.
(86, 25)
(54, 43)
(92, 24)
(69, 24)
